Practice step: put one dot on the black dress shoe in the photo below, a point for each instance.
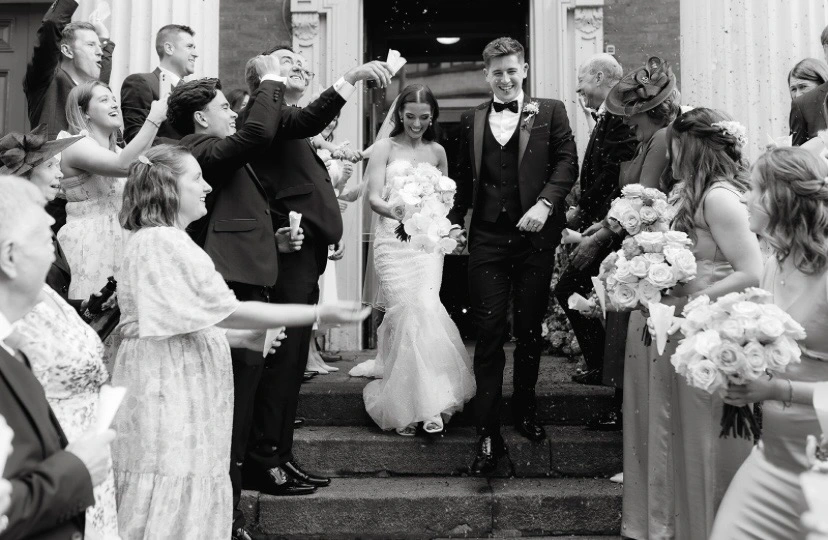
(277, 482)
(298, 422)
(611, 421)
(530, 429)
(309, 375)
(590, 376)
(489, 451)
(293, 470)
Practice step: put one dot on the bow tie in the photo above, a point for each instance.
(512, 106)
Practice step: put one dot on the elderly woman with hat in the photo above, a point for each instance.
(64, 352)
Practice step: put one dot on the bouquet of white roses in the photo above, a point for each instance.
(421, 200)
(640, 209)
(736, 339)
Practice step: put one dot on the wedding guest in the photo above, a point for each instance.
(806, 75)
(765, 499)
(706, 150)
(296, 181)
(611, 143)
(51, 481)
(179, 320)
(238, 99)
(177, 53)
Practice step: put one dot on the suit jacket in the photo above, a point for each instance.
(137, 94)
(51, 488)
(611, 143)
(46, 84)
(808, 114)
(295, 178)
(60, 275)
(547, 163)
(237, 231)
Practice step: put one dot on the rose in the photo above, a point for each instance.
(695, 320)
(623, 272)
(398, 211)
(705, 376)
(651, 195)
(748, 310)
(654, 258)
(631, 221)
(447, 197)
(648, 293)
(698, 302)
(639, 267)
(630, 247)
(661, 275)
(751, 327)
(685, 353)
(651, 242)
(661, 206)
(755, 361)
(428, 189)
(706, 342)
(677, 239)
(769, 328)
(624, 296)
(683, 261)
(447, 184)
(648, 215)
(729, 357)
(781, 353)
(729, 300)
(733, 330)
(659, 226)
(632, 191)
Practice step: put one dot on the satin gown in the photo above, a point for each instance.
(423, 366)
(765, 500)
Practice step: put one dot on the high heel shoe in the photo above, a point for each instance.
(408, 431)
(434, 426)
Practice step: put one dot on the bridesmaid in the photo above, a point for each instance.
(646, 510)
(706, 150)
(765, 500)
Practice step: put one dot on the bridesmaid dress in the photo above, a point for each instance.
(765, 500)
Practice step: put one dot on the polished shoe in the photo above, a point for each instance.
(298, 422)
(293, 470)
(279, 483)
(489, 451)
(309, 375)
(590, 376)
(530, 429)
(611, 421)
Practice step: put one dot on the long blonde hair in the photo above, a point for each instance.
(77, 105)
(794, 186)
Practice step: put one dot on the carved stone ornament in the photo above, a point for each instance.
(589, 20)
(305, 26)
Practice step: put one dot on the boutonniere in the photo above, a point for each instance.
(529, 110)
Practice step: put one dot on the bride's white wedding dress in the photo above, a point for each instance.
(423, 368)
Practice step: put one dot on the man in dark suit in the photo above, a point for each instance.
(809, 115)
(296, 181)
(51, 481)
(611, 143)
(66, 54)
(177, 54)
(517, 163)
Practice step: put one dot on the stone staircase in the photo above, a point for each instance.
(387, 487)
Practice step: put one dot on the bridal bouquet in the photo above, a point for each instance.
(640, 209)
(421, 201)
(736, 339)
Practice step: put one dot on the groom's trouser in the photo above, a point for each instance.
(247, 371)
(278, 394)
(589, 332)
(502, 260)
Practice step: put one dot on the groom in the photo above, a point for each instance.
(517, 163)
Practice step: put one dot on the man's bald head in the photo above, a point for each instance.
(596, 77)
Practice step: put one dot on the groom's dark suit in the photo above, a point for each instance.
(502, 182)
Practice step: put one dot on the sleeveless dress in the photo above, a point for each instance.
(172, 453)
(65, 354)
(424, 367)
(765, 500)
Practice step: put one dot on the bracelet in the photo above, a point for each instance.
(786, 404)
(153, 122)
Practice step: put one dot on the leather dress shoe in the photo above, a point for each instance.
(298, 422)
(489, 451)
(309, 375)
(294, 471)
(530, 429)
(590, 376)
(611, 421)
(279, 483)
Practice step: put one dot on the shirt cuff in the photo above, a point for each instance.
(276, 78)
(344, 88)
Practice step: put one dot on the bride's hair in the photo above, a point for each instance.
(793, 185)
(416, 93)
(706, 154)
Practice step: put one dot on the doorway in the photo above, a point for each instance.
(443, 42)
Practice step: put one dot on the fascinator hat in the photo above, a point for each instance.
(643, 89)
(20, 153)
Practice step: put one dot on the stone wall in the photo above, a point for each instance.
(247, 28)
(642, 28)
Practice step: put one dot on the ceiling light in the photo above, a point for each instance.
(448, 40)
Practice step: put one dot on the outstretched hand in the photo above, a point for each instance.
(343, 312)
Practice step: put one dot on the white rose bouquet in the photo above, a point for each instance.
(421, 201)
(736, 339)
(640, 209)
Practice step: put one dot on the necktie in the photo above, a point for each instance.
(512, 106)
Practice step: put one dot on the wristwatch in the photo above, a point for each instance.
(548, 204)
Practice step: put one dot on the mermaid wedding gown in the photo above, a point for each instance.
(422, 368)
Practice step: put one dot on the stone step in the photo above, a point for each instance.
(335, 399)
(414, 508)
(361, 451)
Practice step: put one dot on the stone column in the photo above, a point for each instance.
(563, 35)
(134, 23)
(329, 34)
(736, 55)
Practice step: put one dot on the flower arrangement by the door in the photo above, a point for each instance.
(736, 339)
(421, 200)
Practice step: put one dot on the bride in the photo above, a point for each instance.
(424, 372)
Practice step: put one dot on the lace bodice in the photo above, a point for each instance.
(92, 194)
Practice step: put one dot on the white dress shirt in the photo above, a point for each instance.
(5, 331)
(344, 88)
(505, 122)
(172, 77)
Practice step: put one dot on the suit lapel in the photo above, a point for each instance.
(157, 88)
(480, 115)
(525, 127)
(25, 388)
(60, 257)
(255, 179)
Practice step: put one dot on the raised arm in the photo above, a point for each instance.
(136, 97)
(563, 157)
(308, 121)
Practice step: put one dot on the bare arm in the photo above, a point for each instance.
(442, 160)
(259, 315)
(375, 174)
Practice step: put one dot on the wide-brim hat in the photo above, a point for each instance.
(21, 153)
(642, 89)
